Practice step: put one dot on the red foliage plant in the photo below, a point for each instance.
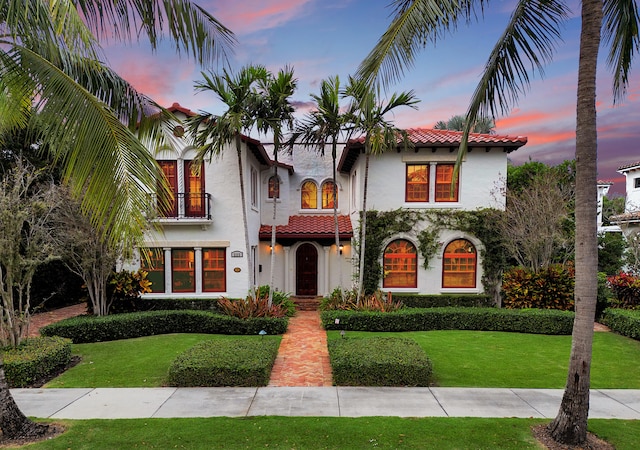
(626, 288)
(549, 288)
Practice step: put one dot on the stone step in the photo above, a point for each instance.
(310, 303)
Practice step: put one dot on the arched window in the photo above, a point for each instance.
(328, 195)
(400, 265)
(274, 187)
(459, 265)
(309, 195)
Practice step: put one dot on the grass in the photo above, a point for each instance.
(514, 360)
(321, 433)
(140, 362)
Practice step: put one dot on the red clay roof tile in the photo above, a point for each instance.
(310, 227)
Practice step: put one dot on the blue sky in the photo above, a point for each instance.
(320, 38)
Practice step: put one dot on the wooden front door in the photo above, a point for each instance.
(307, 270)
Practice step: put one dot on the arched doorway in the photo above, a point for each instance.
(307, 270)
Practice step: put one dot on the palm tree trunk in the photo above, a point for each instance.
(335, 207)
(276, 143)
(363, 227)
(13, 423)
(243, 202)
(570, 425)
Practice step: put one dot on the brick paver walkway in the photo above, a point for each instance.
(39, 320)
(303, 358)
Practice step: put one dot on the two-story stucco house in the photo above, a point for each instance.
(198, 248)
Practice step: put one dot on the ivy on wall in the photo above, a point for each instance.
(482, 223)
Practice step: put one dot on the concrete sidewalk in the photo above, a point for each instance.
(104, 403)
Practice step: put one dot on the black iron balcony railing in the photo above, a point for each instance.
(184, 205)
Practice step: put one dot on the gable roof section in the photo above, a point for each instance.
(254, 145)
(628, 167)
(431, 138)
(312, 227)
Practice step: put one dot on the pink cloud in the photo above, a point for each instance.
(250, 16)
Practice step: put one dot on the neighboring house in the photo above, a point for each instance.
(629, 221)
(198, 248)
(603, 190)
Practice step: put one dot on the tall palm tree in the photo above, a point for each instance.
(323, 126)
(380, 135)
(484, 125)
(50, 62)
(275, 115)
(212, 134)
(533, 30)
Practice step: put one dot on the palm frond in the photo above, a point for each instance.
(103, 161)
(621, 32)
(190, 27)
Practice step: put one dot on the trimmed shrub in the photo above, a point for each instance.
(536, 321)
(440, 300)
(164, 304)
(626, 289)
(346, 300)
(379, 361)
(623, 321)
(35, 359)
(234, 362)
(549, 288)
(83, 329)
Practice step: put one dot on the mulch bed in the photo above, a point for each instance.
(543, 436)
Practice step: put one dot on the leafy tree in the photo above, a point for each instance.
(611, 247)
(275, 115)
(213, 133)
(484, 125)
(530, 36)
(380, 135)
(50, 62)
(324, 126)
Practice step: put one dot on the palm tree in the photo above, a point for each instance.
(484, 125)
(275, 115)
(50, 62)
(212, 134)
(324, 126)
(380, 135)
(531, 33)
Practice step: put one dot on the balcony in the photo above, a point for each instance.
(185, 208)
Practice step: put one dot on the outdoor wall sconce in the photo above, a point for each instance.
(341, 248)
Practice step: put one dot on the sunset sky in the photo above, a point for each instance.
(320, 38)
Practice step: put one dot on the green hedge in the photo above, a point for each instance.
(35, 359)
(441, 300)
(379, 361)
(536, 321)
(131, 325)
(623, 321)
(244, 361)
(164, 304)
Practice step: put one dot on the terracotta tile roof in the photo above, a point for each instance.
(626, 217)
(310, 227)
(605, 183)
(431, 138)
(629, 166)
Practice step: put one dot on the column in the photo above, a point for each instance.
(167, 269)
(327, 277)
(198, 268)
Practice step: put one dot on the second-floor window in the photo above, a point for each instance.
(194, 189)
(446, 186)
(329, 195)
(417, 189)
(254, 187)
(274, 187)
(186, 196)
(309, 195)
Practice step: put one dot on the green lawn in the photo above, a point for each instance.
(321, 433)
(460, 358)
(515, 360)
(140, 362)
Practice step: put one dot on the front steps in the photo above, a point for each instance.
(307, 303)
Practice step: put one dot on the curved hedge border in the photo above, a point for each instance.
(536, 321)
(623, 321)
(84, 329)
(35, 359)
